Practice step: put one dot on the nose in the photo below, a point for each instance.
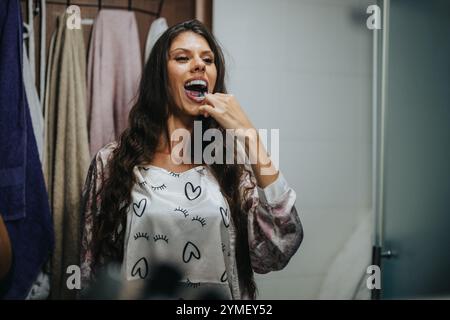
(198, 65)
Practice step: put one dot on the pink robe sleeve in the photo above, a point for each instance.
(90, 209)
(274, 228)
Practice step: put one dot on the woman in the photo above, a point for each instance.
(5, 255)
(217, 223)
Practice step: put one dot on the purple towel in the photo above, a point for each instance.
(23, 196)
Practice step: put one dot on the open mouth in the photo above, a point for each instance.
(196, 90)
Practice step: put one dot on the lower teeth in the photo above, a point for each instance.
(196, 95)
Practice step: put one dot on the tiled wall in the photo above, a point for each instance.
(304, 66)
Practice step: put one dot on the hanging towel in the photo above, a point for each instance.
(34, 104)
(40, 289)
(67, 152)
(114, 70)
(157, 28)
(23, 197)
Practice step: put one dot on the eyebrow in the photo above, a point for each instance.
(187, 50)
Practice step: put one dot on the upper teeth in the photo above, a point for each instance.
(196, 82)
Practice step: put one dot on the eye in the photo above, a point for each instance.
(182, 58)
(209, 60)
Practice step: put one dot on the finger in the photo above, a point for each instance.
(219, 99)
(223, 94)
(206, 108)
(215, 98)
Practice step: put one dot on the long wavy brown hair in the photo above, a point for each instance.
(137, 144)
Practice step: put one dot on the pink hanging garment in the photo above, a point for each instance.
(114, 71)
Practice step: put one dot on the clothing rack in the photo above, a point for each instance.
(38, 7)
(100, 6)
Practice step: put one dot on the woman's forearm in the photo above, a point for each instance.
(5, 250)
(263, 167)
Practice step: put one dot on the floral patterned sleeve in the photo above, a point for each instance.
(274, 228)
(90, 207)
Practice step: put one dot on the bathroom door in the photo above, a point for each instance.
(417, 151)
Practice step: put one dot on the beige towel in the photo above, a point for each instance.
(66, 149)
(114, 70)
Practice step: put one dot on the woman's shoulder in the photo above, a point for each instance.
(104, 154)
(99, 162)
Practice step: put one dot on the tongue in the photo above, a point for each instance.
(197, 96)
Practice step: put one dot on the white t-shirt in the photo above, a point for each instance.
(182, 219)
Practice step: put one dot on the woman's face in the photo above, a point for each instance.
(191, 70)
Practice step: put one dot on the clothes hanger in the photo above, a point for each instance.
(100, 5)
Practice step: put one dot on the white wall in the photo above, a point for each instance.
(304, 66)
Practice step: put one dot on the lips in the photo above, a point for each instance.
(195, 89)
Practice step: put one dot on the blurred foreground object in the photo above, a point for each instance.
(164, 283)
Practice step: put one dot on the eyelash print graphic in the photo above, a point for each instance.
(200, 219)
(174, 174)
(161, 187)
(144, 168)
(183, 211)
(161, 237)
(141, 235)
(192, 284)
(142, 184)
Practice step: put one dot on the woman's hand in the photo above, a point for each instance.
(226, 110)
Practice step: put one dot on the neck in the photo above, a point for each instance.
(174, 122)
